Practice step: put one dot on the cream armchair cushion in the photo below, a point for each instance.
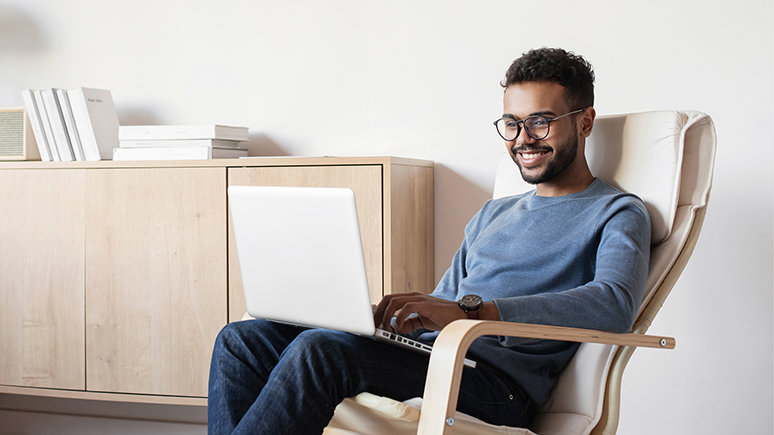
(376, 415)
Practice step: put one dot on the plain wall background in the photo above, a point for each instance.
(421, 79)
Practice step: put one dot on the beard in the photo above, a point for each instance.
(558, 163)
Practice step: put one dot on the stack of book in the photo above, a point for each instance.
(180, 142)
(73, 124)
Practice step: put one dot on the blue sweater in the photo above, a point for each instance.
(579, 260)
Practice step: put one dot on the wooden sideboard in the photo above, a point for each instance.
(115, 277)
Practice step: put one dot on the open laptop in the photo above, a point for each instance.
(301, 259)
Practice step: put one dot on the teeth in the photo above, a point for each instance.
(530, 156)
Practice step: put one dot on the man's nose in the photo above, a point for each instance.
(524, 138)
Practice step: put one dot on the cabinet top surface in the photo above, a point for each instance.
(245, 162)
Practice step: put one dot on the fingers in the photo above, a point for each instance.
(422, 316)
(389, 306)
(410, 324)
(393, 303)
(380, 309)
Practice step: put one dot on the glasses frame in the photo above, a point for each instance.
(521, 123)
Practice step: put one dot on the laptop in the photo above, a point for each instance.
(301, 260)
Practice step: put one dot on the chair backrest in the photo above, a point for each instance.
(667, 159)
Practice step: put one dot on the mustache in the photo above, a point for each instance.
(522, 149)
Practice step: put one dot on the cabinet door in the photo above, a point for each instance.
(155, 278)
(41, 278)
(366, 183)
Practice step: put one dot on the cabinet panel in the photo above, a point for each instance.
(409, 240)
(365, 181)
(155, 278)
(41, 278)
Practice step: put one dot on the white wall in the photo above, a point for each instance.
(420, 79)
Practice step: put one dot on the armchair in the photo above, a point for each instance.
(665, 157)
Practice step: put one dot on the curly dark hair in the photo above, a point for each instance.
(558, 66)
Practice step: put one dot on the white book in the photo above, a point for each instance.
(56, 119)
(72, 131)
(37, 126)
(96, 120)
(179, 143)
(166, 132)
(177, 153)
(43, 113)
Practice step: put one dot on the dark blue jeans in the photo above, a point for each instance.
(268, 378)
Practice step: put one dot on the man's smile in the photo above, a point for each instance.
(530, 157)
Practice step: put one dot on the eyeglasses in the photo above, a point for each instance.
(537, 126)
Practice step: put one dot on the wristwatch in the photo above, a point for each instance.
(471, 305)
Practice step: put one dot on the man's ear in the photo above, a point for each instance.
(587, 121)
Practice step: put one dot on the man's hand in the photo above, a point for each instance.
(431, 312)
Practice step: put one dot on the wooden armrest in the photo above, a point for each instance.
(445, 370)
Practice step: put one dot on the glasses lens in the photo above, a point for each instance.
(508, 128)
(537, 126)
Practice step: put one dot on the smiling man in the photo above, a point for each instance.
(556, 164)
(573, 252)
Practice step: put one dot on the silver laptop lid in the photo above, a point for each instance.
(301, 257)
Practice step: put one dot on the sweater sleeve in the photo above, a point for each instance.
(610, 301)
(449, 286)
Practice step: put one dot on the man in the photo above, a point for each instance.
(573, 252)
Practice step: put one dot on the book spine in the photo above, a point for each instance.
(182, 132)
(46, 126)
(37, 126)
(177, 153)
(56, 119)
(179, 143)
(72, 131)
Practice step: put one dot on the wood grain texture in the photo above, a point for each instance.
(409, 235)
(105, 397)
(41, 278)
(156, 278)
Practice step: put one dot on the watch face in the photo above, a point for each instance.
(471, 302)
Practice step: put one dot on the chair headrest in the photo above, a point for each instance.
(640, 153)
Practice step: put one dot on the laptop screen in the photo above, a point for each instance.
(301, 257)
